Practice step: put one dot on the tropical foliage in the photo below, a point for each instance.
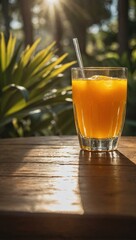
(31, 89)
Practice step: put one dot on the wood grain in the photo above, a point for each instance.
(50, 189)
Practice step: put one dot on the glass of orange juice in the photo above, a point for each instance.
(99, 103)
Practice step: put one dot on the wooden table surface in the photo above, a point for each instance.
(49, 189)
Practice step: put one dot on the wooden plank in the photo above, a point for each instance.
(66, 154)
(127, 145)
(50, 140)
(100, 195)
(55, 170)
(66, 160)
(59, 160)
(61, 141)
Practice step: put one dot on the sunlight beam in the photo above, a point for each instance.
(52, 2)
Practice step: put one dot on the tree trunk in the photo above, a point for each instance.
(5, 11)
(58, 31)
(25, 9)
(123, 6)
(80, 33)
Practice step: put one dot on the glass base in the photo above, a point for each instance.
(95, 144)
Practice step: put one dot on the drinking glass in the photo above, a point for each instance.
(99, 103)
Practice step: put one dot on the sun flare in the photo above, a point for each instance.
(53, 2)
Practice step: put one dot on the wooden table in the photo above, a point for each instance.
(49, 189)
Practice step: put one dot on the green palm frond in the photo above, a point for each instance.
(29, 80)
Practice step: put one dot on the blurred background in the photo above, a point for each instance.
(106, 30)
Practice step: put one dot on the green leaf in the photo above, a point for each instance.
(12, 91)
(131, 122)
(24, 59)
(21, 89)
(3, 52)
(56, 62)
(39, 57)
(39, 71)
(28, 53)
(13, 64)
(15, 109)
(60, 69)
(11, 96)
(10, 49)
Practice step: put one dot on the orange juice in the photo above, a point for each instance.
(99, 106)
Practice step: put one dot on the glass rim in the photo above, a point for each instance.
(99, 68)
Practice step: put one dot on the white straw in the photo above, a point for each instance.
(78, 54)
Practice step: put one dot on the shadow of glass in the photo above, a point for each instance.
(106, 183)
(103, 158)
